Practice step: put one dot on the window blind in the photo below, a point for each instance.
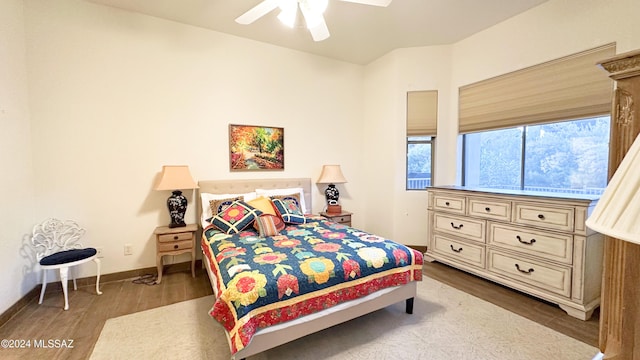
(568, 88)
(422, 113)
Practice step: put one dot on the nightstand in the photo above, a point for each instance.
(341, 218)
(174, 241)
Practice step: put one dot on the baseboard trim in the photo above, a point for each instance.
(53, 287)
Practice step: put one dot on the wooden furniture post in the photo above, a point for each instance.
(620, 309)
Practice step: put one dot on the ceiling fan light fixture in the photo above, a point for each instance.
(288, 12)
(313, 11)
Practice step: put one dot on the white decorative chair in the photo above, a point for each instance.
(57, 246)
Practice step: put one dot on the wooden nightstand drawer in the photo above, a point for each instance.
(177, 245)
(175, 237)
(343, 218)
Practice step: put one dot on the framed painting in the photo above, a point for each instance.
(256, 148)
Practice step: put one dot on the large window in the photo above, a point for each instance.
(419, 164)
(563, 157)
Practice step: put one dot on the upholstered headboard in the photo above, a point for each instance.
(248, 185)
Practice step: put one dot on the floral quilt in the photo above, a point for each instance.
(306, 268)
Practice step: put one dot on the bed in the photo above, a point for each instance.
(296, 280)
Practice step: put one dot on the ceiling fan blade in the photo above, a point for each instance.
(257, 12)
(383, 3)
(315, 22)
(320, 32)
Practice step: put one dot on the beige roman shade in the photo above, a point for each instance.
(571, 87)
(422, 113)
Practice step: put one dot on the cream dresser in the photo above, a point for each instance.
(532, 242)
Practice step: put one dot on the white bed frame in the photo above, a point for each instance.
(280, 334)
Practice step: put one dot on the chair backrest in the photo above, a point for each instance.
(53, 235)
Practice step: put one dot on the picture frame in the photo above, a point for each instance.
(256, 148)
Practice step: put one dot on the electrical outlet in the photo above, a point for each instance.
(128, 249)
(99, 252)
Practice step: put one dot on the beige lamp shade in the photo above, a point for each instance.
(331, 174)
(617, 213)
(175, 177)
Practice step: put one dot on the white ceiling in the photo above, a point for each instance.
(359, 33)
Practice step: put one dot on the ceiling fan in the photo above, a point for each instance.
(312, 11)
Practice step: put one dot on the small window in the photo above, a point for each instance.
(419, 162)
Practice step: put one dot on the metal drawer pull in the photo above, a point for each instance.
(457, 227)
(447, 203)
(487, 209)
(524, 242)
(175, 237)
(454, 250)
(524, 271)
(540, 216)
(175, 246)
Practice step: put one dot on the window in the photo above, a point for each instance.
(422, 119)
(562, 157)
(419, 164)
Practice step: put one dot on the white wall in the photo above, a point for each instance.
(16, 181)
(391, 210)
(115, 95)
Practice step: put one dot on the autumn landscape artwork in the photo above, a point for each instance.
(254, 148)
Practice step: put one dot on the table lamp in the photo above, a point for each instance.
(617, 213)
(331, 174)
(176, 178)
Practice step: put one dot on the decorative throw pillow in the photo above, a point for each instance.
(263, 204)
(268, 225)
(287, 191)
(295, 198)
(205, 199)
(219, 205)
(236, 217)
(289, 211)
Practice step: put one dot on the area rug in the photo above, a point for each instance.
(447, 324)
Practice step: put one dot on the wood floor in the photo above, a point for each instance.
(83, 322)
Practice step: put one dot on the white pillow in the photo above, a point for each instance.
(271, 192)
(205, 198)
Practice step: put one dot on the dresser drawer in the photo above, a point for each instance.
(460, 251)
(548, 245)
(172, 246)
(556, 218)
(444, 202)
(175, 237)
(490, 208)
(471, 229)
(551, 278)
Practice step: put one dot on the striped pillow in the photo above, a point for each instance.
(268, 225)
